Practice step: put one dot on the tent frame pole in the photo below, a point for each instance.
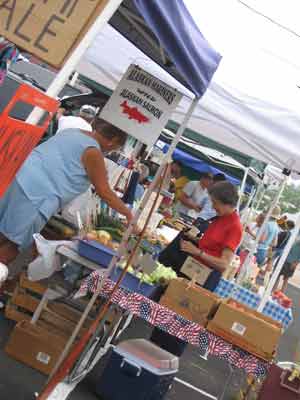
(279, 266)
(260, 198)
(126, 235)
(242, 189)
(70, 65)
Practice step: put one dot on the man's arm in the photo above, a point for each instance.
(188, 202)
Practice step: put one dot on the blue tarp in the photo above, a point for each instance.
(199, 165)
(185, 45)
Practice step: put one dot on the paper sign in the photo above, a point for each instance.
(195, 270)
(238, 328)
(43, 358)
(141, 105)
(147, 264)
(17, 138)
(49, 29)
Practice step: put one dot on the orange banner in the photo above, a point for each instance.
(18, 138)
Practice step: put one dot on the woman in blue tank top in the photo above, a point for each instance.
(54, 174)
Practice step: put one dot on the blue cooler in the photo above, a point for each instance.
(139, 370)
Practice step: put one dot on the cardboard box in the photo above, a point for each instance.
(192, 302)
(35, 346)
(247, 329)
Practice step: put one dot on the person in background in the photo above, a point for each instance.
(290, 266)
(83, 121)
(251, 232)
(179, 181)
(216, 249)
(173, 172)
(194, 196)
(268, 238)
(54, 174)
(140, 189)
(283, 238)
(208, 212)
(282, 222)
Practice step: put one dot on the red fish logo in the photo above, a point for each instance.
(134, 113)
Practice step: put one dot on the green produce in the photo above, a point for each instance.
(161, 276)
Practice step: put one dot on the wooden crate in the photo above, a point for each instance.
(34, 287)
(25, 299)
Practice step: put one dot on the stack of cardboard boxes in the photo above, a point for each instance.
(235, 322)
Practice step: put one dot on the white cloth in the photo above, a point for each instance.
(68, 122)
(195, 192)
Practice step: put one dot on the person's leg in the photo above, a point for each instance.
(285, 284)
(8, 251)
(276, 285)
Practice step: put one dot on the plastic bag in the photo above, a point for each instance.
(48, 261)
(83, 203)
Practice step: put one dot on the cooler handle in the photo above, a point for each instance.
(130, 368)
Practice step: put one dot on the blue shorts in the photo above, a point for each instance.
(19, 219)
(261, 256)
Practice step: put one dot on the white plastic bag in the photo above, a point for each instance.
(82, 204)
(48, 261)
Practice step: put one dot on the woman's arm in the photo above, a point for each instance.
(93, 162)
(218, 263)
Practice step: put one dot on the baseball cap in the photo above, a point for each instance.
(90, 110)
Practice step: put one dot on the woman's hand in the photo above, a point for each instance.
(129, 216)
(190, 248)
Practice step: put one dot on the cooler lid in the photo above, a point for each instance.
(149, 354)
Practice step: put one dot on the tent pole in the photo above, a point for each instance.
(260, 232)
(248, 210)
(74, 78)
(63, 75)
(242, 189)
(279, 266)
(126, 235)
(263, 192)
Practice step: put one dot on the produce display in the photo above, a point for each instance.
(161, 276)
(103, 237)
(282, 299)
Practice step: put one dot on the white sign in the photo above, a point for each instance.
(141, 105)
(195, 270)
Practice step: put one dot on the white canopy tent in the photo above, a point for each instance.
(261, 129)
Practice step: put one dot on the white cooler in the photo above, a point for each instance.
(139, 370)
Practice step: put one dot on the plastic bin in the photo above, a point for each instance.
(141, 369)
(96, 252)
(132, 283)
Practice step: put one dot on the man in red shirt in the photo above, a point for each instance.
(217, 246)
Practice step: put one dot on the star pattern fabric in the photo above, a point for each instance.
(176, 325)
